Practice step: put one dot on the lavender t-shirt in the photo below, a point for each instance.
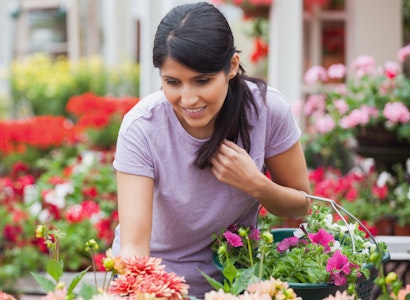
(190, 204)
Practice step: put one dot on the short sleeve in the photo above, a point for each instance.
(282, 130)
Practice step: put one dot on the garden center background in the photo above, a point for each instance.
(109, 43)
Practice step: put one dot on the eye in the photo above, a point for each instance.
(171, 82)
(202, 81)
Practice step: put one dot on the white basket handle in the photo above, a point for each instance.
(337, 208)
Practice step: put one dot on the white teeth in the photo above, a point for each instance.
(194, 110)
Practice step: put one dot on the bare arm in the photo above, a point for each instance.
(284, 195)
(135, 198)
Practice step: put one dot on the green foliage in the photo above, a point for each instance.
(46, 85)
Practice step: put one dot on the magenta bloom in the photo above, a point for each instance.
(287, 243)
(233, 239)
(322, 237)
(339, 267)
(255, 234)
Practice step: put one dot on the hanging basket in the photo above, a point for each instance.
(255, 11)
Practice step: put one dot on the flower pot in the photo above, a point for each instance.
(385, 225)
(403, 230)
(312, 291)
(383, 146)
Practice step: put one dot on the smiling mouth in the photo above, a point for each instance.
(193, 110)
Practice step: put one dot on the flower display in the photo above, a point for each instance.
(43, 85)
(363, 97)
(374, 196)
(78, 196)
(339, 253)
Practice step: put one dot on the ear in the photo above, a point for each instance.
(235, 61)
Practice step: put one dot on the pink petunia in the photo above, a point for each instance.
(322, 237)
(233, 239)
(339, 267)
(287, 243)
(255, 234)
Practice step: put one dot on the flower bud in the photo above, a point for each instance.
(40, 230)
(242, 232)
(222, 249)
(60, 285)
(91, 246)
(267, 237)
(108, 263)
(391, 277)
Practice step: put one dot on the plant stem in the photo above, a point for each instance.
(249, 250)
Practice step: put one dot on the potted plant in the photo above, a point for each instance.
(317, 259)
(366, 104)
(401, 194)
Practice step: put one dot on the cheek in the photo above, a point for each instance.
(171, 95)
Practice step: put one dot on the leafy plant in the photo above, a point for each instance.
(339, 253)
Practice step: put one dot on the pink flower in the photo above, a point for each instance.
(403, 53)
(404, 292)
(336, 71)
(341, 106)
(325, 124)
(396, 112)
(287, 243)
(59, 294)
(391, 69)
(147, 275)
(255, 234)
(316, 103)
(4, 296)
(322, 237)
(339, 267)
(364, 65)
(360, 116)
(315, 74)
(233, 239)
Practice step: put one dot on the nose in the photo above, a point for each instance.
(189, 96)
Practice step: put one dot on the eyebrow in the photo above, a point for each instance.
(195, 77)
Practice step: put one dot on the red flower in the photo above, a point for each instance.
(12, 232)
(260, 50)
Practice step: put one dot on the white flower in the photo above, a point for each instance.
(299, 232)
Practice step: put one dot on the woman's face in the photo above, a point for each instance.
(196, 97)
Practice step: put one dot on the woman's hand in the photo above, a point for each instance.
(232, 165)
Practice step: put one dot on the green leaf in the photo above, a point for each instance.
(385, 297)
(215, 284)
(230, 272)
(76, 280)
(55, 269)
(87, 291)
(245, 277)
(46, 284)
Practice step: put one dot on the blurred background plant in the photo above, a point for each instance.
(78, 196)
(42, 86)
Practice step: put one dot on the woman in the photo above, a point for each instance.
(190, 157)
